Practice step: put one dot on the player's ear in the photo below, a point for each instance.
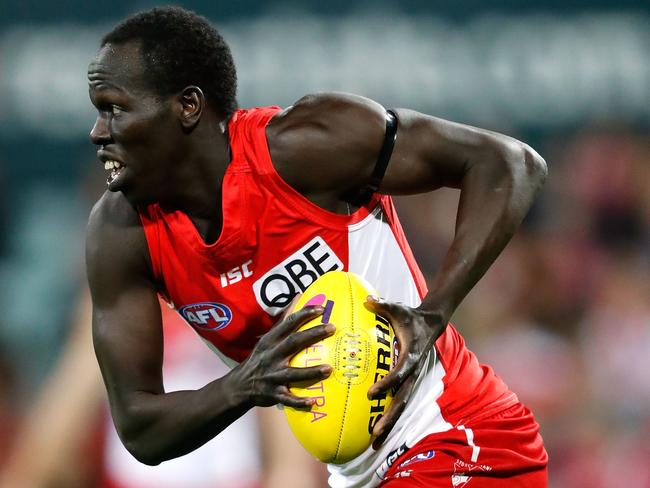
(191, 104)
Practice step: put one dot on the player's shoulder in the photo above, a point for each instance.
(339, 100)
(113, 210)
(328, 110)
(337, 135)
(115, 233)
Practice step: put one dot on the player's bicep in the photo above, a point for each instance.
(430, 152)
(340, 137)
(127, 332)
(128, 342)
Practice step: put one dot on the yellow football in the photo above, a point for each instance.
(339, 425)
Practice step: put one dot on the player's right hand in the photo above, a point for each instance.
(264, 377)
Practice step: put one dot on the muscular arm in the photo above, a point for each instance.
(338, 138)
(498, 177)
(127, 335)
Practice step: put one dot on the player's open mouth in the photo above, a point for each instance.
(116, 168)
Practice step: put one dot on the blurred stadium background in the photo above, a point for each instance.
(563, 316)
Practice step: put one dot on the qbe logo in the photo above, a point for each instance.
(275, 290)
(206, 315)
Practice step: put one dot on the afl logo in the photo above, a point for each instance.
(206, 315)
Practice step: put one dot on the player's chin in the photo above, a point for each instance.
(131, 185)
(118, 179)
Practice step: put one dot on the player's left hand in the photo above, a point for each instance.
(416, 332)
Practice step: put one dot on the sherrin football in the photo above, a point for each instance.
(339, 425)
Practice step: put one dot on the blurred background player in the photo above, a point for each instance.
(585, 248)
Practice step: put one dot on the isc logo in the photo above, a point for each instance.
(206, 315)
(275, 290)
(236, 274)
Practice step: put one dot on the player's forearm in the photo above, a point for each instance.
(159, 427)
(496, 194)
(156, 426)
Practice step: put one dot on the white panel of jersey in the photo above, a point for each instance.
(375, 254)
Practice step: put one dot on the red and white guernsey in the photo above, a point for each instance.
(274, 243)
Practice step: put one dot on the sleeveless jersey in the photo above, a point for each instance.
(274, 243)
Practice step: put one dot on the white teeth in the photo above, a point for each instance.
(112, 165)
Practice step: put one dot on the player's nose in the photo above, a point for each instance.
(99, 134)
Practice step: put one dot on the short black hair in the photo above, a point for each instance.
(181, 48)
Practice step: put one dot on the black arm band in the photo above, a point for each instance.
(364, 194)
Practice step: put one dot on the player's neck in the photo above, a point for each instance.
(197, 181)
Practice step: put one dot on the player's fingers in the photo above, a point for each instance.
(390, 310)
(300, 340)
(294, 321)
(387, 422)
(286, 398)
(291, 375)
(290, 308)
(395, 313)
(304, 376)
(404, 369)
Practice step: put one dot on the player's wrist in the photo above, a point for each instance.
(435, 312)
(237, 394)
